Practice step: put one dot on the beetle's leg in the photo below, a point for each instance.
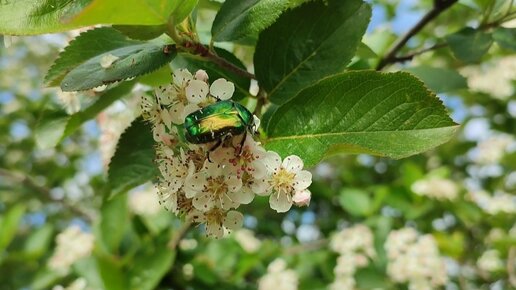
(241, 149)
(213, 148)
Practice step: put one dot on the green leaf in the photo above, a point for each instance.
(193, 63)
(114, 221)
(469, 45)
(85, 46)
(25, 17)
(133, 162)
(38, 242)
(141, 32)
(55, 126)
(505, 37)
(9, 225)
(150, 267)
(355, 201)
(439, 80)
(239, 19)
(182, 9)
(87, 268)
(130, 12)
(390, 115)
(307, 44)
(112, 276)
(133, 61)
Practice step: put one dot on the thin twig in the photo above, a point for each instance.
(511, 263)
(203, 51)
(179, 234)
(411, 55)
(439, 7)
(261, 98)
(45, 192)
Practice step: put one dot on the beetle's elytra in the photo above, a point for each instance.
(216, 121)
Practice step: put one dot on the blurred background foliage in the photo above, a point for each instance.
(58, 231)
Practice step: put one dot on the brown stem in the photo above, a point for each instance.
(45, 192)
(411, 55)
(179, 234)
(261, 101)
(203, 51)
(439, 7)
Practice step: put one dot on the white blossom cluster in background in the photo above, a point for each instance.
(415, 259)
(437, 188)
(494, 78)
(144, 202)
(278, 277)
(209, 190)
(500, 202)
(71, 245)
(78, 284)
(355, 246)
(492, 149)
(490, 261)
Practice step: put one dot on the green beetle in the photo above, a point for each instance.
(217, 121)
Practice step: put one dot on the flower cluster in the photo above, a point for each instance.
(354, 245)
(279, 277)
(500, 202)
(206, 182)
(415, 259)
(490, 261)
(492, 149)
(438, 188)
(72, 245)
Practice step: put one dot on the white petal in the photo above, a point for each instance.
(194, 184)
(166, 116)
(257, 123)
(260, 186)
(222, 89)
(272, 161)
(212, 169)
(182, 76)
(157, 132)
(302, 180)
(203, 201)
(234, 220)
(279, 202)
(196, 91)
(201, 75)
(259, 169)
(302, 198)
(292, 163)
(234, 184)
(243, 196)
(177, 113)
(214, 229)
(190, 108)
(228, 203)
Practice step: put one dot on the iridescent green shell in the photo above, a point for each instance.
(216, 121)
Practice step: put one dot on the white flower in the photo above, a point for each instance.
(72, 245)
(201, 75)
(214, 186)
(217, 220)
(415, 260)
(438, 188)
(501, 202)
(287, 180)
(278, 277)
(490, 261)
(222, 89)
(145, 202)
(492, 150)
(107, 60)
(247, 240)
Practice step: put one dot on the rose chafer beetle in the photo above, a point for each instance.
(218, 121)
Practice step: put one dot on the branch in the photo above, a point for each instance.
(439, 7)
(203, 51)
(179, 234)
(45, 192)
(261, 101)
(411, 55)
